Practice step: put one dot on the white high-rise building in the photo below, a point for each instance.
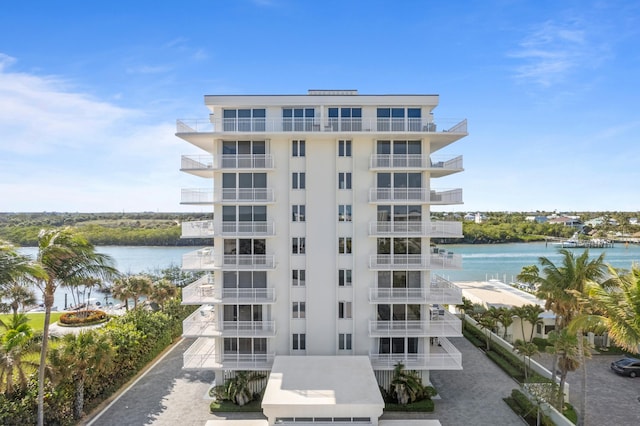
(322, 231)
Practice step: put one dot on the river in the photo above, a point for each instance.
(479, 261)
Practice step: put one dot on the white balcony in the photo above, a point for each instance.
(197, 229)
(415, 261)
(422, 195)
(397, 295)
(199, 260)
(446, 325)
(204, 355)
(433, 229)
(240, 195)
(320, 124)
(204, 323)
(443, 292)
(248, 261)
(200, 292)
(442, 357)
(197, 196)
(246, 229)
(437, 165)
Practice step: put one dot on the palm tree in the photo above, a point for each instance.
(617, 309)
(406, 385)
(65, 257)
(238, 388)
(79, 357)
(139, 285)
(122, 291)
(532, 316)
(20, 294)
(488, 323)
(16, 342)
(526, 350)
(464, 307)
(565, 346)
(163, 291)
(505, 317)
(564, 289)
(15, 267)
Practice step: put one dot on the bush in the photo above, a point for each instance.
(424, 406)
(512, 371)
(526, 409)
(83, 317)
(540, 343)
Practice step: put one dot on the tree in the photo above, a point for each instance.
(465, 307)
(163, 291)
(14, 268)
(65, 257)
(406, 385)
(532, 316)
(122, 291)
(564, 289)
(16, 342)
(505, 317)
(139, 285)
(617, 309)
(20, 294)
(78, 357)
(526, 350)
(488, 323)
(238, 388)
(565, 346)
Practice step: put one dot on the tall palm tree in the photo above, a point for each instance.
(122, 291)
(532, 316)
(505, 318)
(80, 356)
(16, 342)
(564, 289)
(526, 350)
(488, 322)
(140, 285)
(66, 257)
(465, 307)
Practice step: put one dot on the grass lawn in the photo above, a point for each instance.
(36, 319)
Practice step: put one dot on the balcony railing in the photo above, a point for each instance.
(444, 197)
(197, 229)
(414, 161)
(415, 261)
(238, 195)
(443, 357)
(226, 161)
(443, 292)
(204, 354)
(433, 229)
(320, 124)
(248, 261)
(397, 295)
(440, 291)
(201, 259)
(203, 291)
(446, 326)
(197, 196)
(241, 229)
(203, 323)
(200, 292)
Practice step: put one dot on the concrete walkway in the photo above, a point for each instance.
(167, 395)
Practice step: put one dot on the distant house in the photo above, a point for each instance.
(595, 222)
(633, 221)
(567, 221)
(536, 218)
(470, 217)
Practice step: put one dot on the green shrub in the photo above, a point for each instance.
(83, 317)
(424, 406)
(508, 368)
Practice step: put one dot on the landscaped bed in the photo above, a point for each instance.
(82, 318)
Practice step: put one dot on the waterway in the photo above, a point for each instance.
(479, 261)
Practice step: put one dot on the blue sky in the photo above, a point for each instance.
(90, 91)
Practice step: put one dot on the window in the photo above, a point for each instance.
(344, 277)
(244, 246)
(297, 148)
(298, 310)
(345, 119)
(244, 120)
(244, 279)
(298, 213)
(344, 245)
(344, 342)
(299, 342)
(298, 277)
(298, 180)
(243, 214)
(298, 119)
(297, 245)
(344, 310)
(344, 213)
(344, 148)
(344, 180)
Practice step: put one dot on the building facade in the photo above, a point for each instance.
(322, 231)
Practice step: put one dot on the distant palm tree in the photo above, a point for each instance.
(16, 342)
(532, 316)
(120, 290)
(20, 294)
(465, 307)
(140, 285)
(163, 291)
(488, 323)
(66, 257)
(505, 317)
(526, 350)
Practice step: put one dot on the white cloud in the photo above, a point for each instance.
(555, 50)
(64, 150)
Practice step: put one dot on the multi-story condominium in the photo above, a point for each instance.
(322, 231)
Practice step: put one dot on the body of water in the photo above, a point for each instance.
(479, 261)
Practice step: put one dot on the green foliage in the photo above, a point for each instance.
(83, 317)
(521, 405)
(422, 406)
